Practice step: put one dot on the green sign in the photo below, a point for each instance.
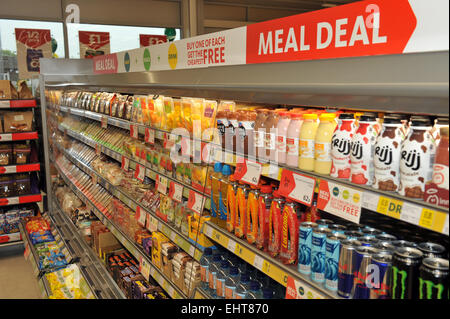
(147, 60)
(126, 62)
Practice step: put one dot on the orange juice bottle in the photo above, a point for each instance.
(306, 142)
(324, 134)
(252, 214)
(231, 202)
(240, 227)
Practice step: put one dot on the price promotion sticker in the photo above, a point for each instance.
(161, 184)
(176, 191)
(125, 163)
(196, 202)
(139, 173)
(144, 268)
(134, 131)
(104, 121)
(152, 223)
(297, 290)
(149, 135)
(297, 187)
(248, 172)
(141, 216)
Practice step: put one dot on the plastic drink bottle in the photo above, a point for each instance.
(204, 267)
(292, 139)
(240, 227)
(212, 273)
(255, 291)
(268, 293)
(282, 129)
(289, 233)
(223, 196)
(221, 277)
(260, 133)
(215, 190)
(252, 214)
(231, 283)
(264, 202)
(242, 287)
(231, 203)
(275, 211)
(322, 143)
(341, 146)
(306, 142)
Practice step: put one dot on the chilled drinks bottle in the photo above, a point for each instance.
(204, 267)
(243, 286)
(322, 143)
(215, 192)
(212, 273)
(255, 291)
(282, 129)
(252, 214)
(341, 146)
(223, 196)
(231, 203)
(221, 277)
(231, 283)
(260, 133)
(276, 209)
(264, 202)
(292, 140)
(240, 227)
(306, 142)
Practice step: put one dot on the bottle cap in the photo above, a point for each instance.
(296, 116)
(346, 116)
(226, 170)
(310, 116)
(368, 117)
(234, 270)
(391, 120)
(420, 121)
(327, 116)
(218, 167)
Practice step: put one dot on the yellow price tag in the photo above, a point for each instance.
(383, 205)
(426, 218)
(395, 208)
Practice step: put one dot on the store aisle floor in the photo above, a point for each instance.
(16, 276)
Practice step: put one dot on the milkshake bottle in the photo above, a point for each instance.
(246, 127)
(282, 129)
(230, 131)
(270, 136)
(341, 146)
(260, 133)
(221, 124)
(292, 139)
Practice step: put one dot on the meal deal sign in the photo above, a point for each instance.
(146, 40)
(93, 43)
(339, 200)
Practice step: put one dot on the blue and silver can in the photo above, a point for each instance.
(385, 245)
(305, 246)
(381, 273)
(368, 240)
(346, 272)
(386, 237)
(324, 223)
(337, 229)
(319, 237)
(332, 252)
(369, 231)
(403, 243)
(353, 234)
(363, 258)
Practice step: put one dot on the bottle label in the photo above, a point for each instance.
(230, 292)
(212, 281)
(270, 141)
(440, 176)
(281, 143)
(259, 138)
(204, 273)
(306, 148)
(221, 125)
(322, 152)
(292, 146)
(361, 156)
(220, 283)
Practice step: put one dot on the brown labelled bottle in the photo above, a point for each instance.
(246, 129)
(221, 124)
(260, 133)
(270, 136)
(230, 131)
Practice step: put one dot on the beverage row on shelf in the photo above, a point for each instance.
(392, 152)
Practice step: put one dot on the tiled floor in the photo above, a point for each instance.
(16, 276)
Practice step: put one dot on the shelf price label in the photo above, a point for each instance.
(149, 135)
(139, 173)
(141, 216)
(125, 163)
(152, 223)
(340, 200)
(161, 184)
(176, 191)
(296, 290)
(134, 131)
(144, 268)
(196, 202)
(248, 172)
(104, 121)
(297, 187)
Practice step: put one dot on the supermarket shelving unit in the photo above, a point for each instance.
(391, 83)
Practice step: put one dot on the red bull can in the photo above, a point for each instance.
(346, 272)
(363, 258)
(368, 241)
(381, 285)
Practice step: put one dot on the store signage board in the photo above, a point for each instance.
(146, 40)
(363, 28)
(297, 187)
(340, 200)
(248, 172)
(93, 43)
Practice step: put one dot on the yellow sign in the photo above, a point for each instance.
(173, 56)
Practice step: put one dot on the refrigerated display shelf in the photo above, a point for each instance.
(30, 252)
(24, 168)
(13, 104)
(32, 198)
(176, 236)
(263, 262)
(103, 286)
(173, 291)
(8, 137)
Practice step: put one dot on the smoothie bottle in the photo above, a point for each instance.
(230, 131)
(417, 159)
(252, 214)
(270, 136)
(387, 155)
(276, 208)
(363, 148)
(306, 142)
(259, 133)
(292, 139)
(231, 203)
(289, 233)
(223, 196)
(246, 127)
(240, 226)
(341, 146)
(264, 203)
(322, 147)
(282, 129)
(221, 124)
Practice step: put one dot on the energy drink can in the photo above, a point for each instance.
(305, 246)
(319, 237)
(324, 223)
(431, 250)
(403, 243)
(346, 274)
(385, 237)
(405, 273)
(337, 229)
(363, 258)
(353, 234)
(355, 227)
(368, 240)
(369, 231)
(381, 286)
(385, 245)
(332, 251)
(433, 279)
